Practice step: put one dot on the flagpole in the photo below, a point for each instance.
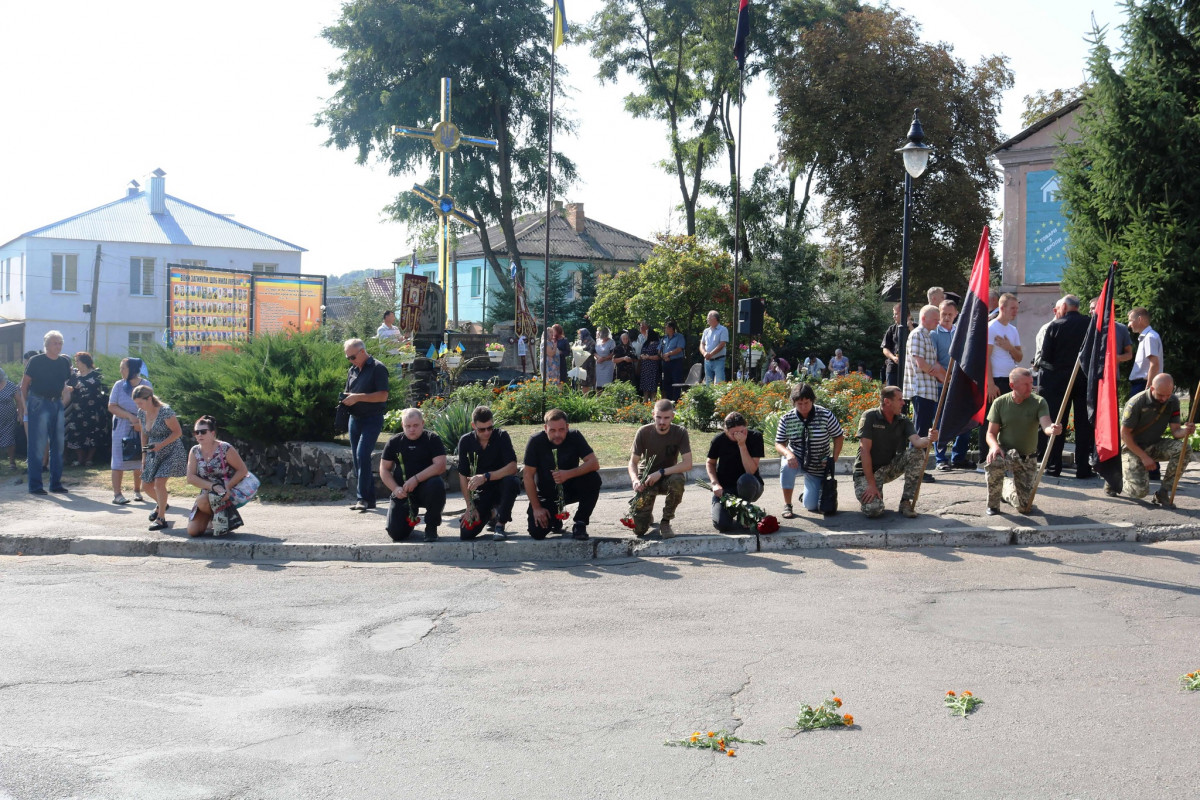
(549, 196)
(937, 418)
(737, 230)
(1183, 450)
(1062, 410)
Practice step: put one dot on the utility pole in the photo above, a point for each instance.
(91, 343)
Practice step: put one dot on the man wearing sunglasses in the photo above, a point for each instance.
(487, 470)
(366, 397)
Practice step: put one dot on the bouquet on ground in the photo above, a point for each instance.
(560, 512)
(1191, 681)
(639, 499)
(744, 512)
(719, 741)
(825, 715)
(961, 704)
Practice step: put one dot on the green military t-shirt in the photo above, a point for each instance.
(665, 449)
(1141, 411)
(887, 438)
(1019, 422)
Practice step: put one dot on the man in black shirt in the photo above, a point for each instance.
(487, 467)
(418, 459)
(732, 467)
(366, 398)
(42, 392)
(1060, 350)
(560, 469)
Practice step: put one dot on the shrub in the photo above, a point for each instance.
(696, 407)
(635, 414)
(273, 388)
(751, 399)
(616, 395)
(523, 405)
(848, 396)
(475, 394)
(451, 423)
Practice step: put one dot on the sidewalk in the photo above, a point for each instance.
(951, 514)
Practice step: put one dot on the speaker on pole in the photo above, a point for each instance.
(750, 316)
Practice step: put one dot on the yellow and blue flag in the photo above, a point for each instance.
(560, 23)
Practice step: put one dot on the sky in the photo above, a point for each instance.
(222, 96)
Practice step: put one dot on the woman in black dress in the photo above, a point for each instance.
(650, 363)
(87, 418)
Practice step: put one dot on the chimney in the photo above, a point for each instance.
(556, 207)
(133, 188)
(575, 216)
(158, 192)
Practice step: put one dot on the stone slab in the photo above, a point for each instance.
(33, 545)
(114, 546)
(961, 537)
(1075, 534)
(522, 549)
(808, 540)
(694, 546)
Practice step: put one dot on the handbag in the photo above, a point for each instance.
(341, 417)
(131, 447)
(828, 501)
(247, 486)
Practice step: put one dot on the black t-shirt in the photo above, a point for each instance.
(48, 375)
(729, 458)
(373, 377)
(416, 454)
(496, 456)
(539, 453)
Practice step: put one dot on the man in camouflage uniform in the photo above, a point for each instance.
(882, 455)
(1012, 436)
(1143, 423)
(667, 450)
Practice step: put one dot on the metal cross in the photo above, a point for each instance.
(446, 138)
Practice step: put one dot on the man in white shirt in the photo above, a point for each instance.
(1149, 359)
(713, 343)
(1004, 345)
(388, 329)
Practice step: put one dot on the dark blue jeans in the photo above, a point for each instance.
(364, 432)
(46, 426)
(672, 374)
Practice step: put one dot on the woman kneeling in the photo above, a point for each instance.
(225, 482)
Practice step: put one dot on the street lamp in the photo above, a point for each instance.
(916, 158)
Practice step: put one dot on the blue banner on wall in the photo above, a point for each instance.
(1045, 228)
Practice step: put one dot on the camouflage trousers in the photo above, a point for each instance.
(910, 464)
(672, 486)
(1016, 490)
(1134, 476)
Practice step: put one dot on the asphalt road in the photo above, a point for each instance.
(163, 678)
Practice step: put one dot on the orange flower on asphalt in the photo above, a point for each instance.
(848, 719)
(966, 694)
(711, 734)
(837, 701)
(729, 753)
(949, 694)
(720, 743)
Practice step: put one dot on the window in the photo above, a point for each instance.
(431, 274)
(193, 262)
(64, 272)
(6, 278)
(141, 277)
(267, 268)
(574, 285)
(476, 281)
(139, 340)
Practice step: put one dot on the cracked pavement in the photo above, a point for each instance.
(162, 678)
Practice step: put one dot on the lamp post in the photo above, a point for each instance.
(916, 158)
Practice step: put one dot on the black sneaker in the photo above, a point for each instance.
(1162, 498)
(579, 532)
(968, 464)
(500, 535)
(60, 490)
(431, 536)
(38, 491)
(929, 478)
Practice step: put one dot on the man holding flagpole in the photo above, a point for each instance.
(1147, 416)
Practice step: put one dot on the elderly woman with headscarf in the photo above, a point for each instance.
(11, 411)
(125, 426)
(605, 348)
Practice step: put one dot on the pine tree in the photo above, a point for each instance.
(1131, 183)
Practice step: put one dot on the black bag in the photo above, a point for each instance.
(341, 417)
(828, 502)
(131, 447)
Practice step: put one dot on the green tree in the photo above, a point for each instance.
(1042, 104)
(846, 94)
(365, 318)
(1131, 183)
(393, 56)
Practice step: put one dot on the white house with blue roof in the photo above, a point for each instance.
(47, 275)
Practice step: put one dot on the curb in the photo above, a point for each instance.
(597, 549)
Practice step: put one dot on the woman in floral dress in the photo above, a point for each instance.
(11, 410)
(163, 454)
(87, 415)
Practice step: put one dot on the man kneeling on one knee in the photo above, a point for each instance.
(1012, 435)
(668, 449)
(418, 459)
(732, 467)
(560, 458)
(883, 436)
(487, 473)
(1146, 417)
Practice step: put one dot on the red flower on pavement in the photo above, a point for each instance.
(414, 521)
(768, 524)
(628, 523)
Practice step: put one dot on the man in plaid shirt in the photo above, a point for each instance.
(923, 375)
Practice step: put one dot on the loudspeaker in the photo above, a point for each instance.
(750, 316)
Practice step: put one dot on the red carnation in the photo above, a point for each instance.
(562, 515)
(414, 521)
(628, 523)
(768, 524)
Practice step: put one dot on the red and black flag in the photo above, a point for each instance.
(966, 393)
(1098, 361)
(743, 31)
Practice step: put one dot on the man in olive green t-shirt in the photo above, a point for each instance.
(883, 454)
(668, 451)
(1013, 423)
(1146, 417)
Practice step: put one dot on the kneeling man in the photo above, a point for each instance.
(883, 454)
(1144, 421)
(487, 472)
(669, 450)
(557, 459)
(732, 467)
(417, 458)
(1012, 435)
